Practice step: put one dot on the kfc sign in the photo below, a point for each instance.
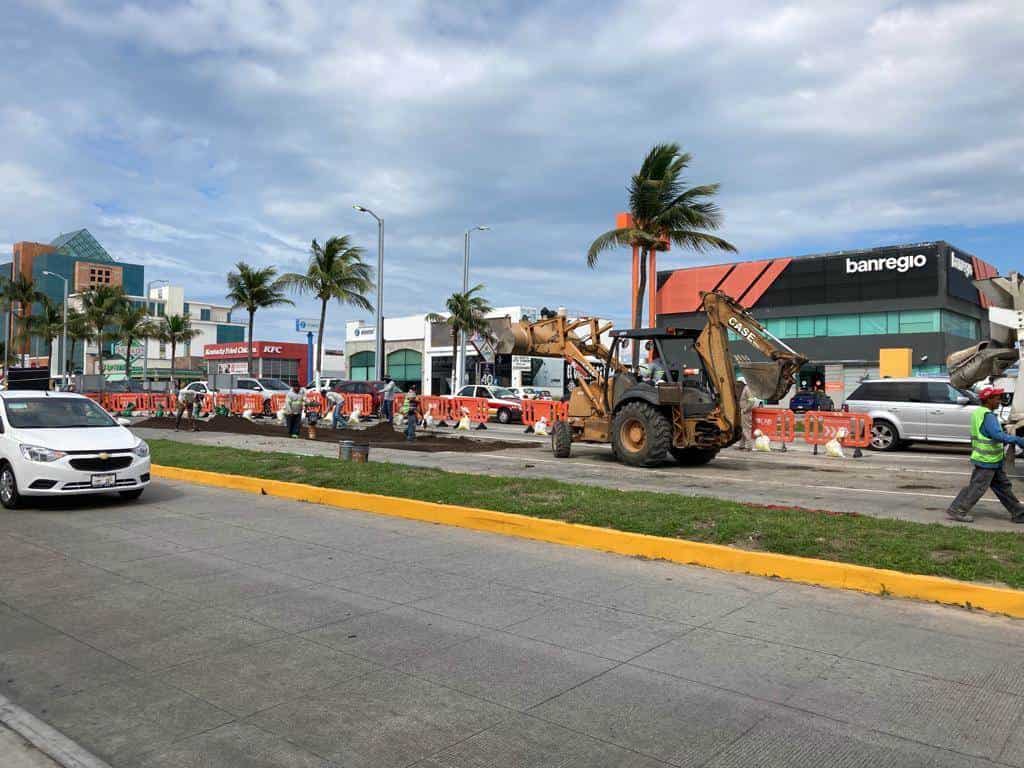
(269, 349)
(259, 349)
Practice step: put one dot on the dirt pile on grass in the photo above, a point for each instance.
(381, 434)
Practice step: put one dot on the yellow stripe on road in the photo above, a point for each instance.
(822, 573)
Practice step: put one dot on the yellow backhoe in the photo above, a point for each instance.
(688, 412)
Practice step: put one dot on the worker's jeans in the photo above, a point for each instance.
(294, 422)
(191, 410)
(336, 416)
(410, 426)
(747, 425)
(386, 410)
(982, 479)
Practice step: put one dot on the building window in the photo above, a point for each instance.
(956, 324)
(163, 350)
(405, 365)
(360, 366)
(285, 370)
(204, 314)
(919, 321)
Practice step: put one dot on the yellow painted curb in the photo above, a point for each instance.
(823, 573)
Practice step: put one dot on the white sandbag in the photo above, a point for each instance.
(761, 442)
(353, 418)
(541, 427)
(834, 448)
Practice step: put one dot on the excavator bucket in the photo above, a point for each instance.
(974, 364)
(768, 381)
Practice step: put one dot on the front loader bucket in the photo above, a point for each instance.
(974, 364)
(768, 381)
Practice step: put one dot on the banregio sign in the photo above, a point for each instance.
(959, 276)
(883, 273)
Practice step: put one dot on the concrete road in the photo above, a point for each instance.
(203, 627)
(916, 484)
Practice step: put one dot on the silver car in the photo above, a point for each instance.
(914, 409)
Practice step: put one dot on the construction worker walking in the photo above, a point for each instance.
(987, 441)
(747, 405)
(293, 403)
(388, 404)
(409, 411)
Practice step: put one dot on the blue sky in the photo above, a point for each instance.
(190, 135)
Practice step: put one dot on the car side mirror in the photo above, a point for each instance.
(962, 400)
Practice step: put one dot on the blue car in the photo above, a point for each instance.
(808, 400)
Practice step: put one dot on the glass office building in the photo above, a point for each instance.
(840, 308)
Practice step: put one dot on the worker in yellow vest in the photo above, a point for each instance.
(987, 441)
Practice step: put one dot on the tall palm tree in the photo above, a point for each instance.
(253, 289)
(101, 306)
(664, 210)
(79, 330)
(335, 271)
(175, 330)
(133, 323)
(21, 291)
(48, 324)
(466, 314)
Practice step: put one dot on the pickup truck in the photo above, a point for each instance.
(247, 386)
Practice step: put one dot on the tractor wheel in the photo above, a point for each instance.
(694, 457)
(641, 434)
(561, 440)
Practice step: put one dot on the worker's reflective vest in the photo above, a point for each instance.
(984, 450)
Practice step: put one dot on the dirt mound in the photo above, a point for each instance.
(381, 434)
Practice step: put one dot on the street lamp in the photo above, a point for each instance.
(64, 331)
(465, 289)
(145, 346)
(378, 347)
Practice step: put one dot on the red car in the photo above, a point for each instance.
(372, 388)
(501, 402)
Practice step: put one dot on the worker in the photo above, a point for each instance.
(337, 403)
(987, 441)
(293, 403)
(189, 401)
(409, 411)
(747, 405)
(654, 369)
(388, 405)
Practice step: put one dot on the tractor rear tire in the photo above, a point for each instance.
(641, 434)
(694, 457)
(561, 440)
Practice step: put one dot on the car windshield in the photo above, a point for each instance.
(502, 392)
(274, 384)
(55, 413)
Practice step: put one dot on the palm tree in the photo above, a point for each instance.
(466, 314)
(101, 306)
(133, 323)
(78, 330)
(175, 330)
(335, 271)
(20, 290)
(664, 210)
(48, 324)
(255, 289)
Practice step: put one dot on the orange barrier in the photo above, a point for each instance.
(550, 410)
(475, 407)
(396, 404)
(441, 408)
(242, 403)
(364, 403)
(822, 426)
(778, 424)
(277, 402)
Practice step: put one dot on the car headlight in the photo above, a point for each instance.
(38, 453)
(141, 450)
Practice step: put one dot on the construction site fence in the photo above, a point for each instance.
(822, 426)
(778, 424)
(549, 410)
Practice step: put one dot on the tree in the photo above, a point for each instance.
(48, 324)
(335, 271)
(101, 306)
(21, 291)
(78, 331)
(133, 323)
(664, 210)
(466, 314)
(175, 330)
(255, 289)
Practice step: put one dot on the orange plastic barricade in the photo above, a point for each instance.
(550, 410)
(778, 424)
(475, 407)
(158, 403)
(277, 402)
(363, 402)
(315, 402)
(242, 403)
(396, 404)
(822, 426)
(439, 408)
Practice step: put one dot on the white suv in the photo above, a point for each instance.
(63, 444)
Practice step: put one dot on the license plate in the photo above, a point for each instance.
(104, 481)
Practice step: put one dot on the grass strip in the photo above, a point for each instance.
(939, 550)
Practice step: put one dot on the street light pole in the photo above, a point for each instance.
(145, 345)
(461, 376)
(64, 330)
(378, 347)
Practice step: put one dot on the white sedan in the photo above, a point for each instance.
(63, 444)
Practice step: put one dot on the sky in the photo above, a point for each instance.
(190, 135)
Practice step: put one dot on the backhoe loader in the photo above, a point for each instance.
(690, 414)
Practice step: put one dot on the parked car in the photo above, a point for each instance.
(914, 409)
(372, 388)
(266, 388)
(810, 400)
(64, 444)
(530, 393)
(501, 402)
